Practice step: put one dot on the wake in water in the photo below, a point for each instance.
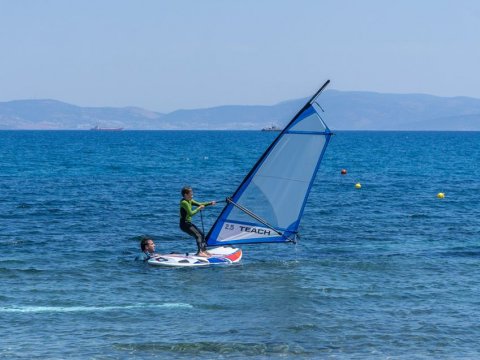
(66, 309)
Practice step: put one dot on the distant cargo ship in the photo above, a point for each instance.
(98, 128)
(271, 128)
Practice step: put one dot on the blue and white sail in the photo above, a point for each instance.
(269, 203)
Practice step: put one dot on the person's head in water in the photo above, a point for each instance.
(187, 193)
(147, 245)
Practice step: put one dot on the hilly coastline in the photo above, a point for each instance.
(344, 111)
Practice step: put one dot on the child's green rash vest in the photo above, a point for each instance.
(186, 211)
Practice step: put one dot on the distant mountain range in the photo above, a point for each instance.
(344, 110)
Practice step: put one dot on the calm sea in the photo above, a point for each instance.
(385, 271)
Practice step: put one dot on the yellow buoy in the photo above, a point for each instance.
(440, 195)
(358, 186)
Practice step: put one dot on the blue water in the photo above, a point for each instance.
(386, 271)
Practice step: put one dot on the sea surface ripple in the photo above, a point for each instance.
(388, 271)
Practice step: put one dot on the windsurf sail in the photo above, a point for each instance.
(269, 203)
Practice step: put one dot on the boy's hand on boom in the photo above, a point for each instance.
(201, 207)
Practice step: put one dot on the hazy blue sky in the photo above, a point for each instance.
(166, 55)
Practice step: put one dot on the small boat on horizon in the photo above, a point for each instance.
(98, 128)
(272, 128)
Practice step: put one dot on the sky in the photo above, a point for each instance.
(186, 54)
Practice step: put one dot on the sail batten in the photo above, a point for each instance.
(308, 132)
(289, 179)
(269, 203)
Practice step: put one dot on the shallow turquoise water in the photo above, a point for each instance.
(387, 271)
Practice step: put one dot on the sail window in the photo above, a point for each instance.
(278, 189)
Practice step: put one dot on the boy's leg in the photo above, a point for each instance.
(195, 232)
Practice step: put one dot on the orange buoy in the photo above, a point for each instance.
(343, 172)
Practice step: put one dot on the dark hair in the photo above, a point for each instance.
(186, 190)
(144, 242)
